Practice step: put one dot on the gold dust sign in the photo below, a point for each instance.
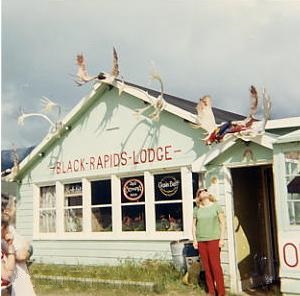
(168, 185)
(133, 189)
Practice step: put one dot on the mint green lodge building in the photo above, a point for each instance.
(110, 185)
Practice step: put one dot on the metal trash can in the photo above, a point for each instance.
(177, 250)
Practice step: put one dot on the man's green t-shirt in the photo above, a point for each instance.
(207, 224)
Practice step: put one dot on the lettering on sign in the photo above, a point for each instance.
(168, 185)
(133, 189)
(115, 160)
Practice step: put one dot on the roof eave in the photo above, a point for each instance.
(266, 140)
(146, 97)
(283, 123)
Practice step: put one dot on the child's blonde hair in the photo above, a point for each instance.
(210, 197)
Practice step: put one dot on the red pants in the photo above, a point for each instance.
(210, 256)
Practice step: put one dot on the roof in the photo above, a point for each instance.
(283, 123)
(220, 115)
(290, 137)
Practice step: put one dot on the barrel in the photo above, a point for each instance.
(177, 250)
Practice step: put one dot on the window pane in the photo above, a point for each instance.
(101, 192)
(73, 189)
(292, 166)
(297, 212)
(294, 212)
(167, 186)
(101, 219)
(47, 221)
(132, 189)
(47, 197)
(73, 220)
(133, 218)
(293, 187)
(169, 217)
(72, 201)
(292, 162)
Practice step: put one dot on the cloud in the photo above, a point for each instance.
(199, 47)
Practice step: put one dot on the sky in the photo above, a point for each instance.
(216, 48)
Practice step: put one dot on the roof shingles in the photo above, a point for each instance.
(220, 115)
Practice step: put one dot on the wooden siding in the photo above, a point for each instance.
(24, 213)
(106, 252)
(102, 131)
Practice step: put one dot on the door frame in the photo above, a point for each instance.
(235, 281)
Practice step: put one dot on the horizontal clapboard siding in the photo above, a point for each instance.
(105, 252)
(24, 213)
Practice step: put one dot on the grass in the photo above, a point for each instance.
(167, 280)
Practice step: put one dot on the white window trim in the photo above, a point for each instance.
(60, 208)
(187, 201)
(149, 203)
(86, 203)
(116, 206)
(283, 176)
(82, 207)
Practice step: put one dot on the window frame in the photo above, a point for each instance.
(42, 209)
(288, 200)
(133, 203)
(98, 206)
(116, 233)
(66, 207)
(171, 201)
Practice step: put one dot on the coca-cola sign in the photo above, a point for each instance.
(133, 189)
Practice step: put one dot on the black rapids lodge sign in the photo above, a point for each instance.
(112, 160)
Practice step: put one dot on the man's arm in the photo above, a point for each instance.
(195, 243)
(22, 247)
(23, 254)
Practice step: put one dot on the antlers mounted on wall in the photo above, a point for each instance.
(83, 76)
(249, 127)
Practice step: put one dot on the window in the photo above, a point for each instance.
(101, 206)
(73, 207)
(133, 204)
(168, 202)
(292, 169)
(47, 209)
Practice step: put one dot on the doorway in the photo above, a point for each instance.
(255, 227)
